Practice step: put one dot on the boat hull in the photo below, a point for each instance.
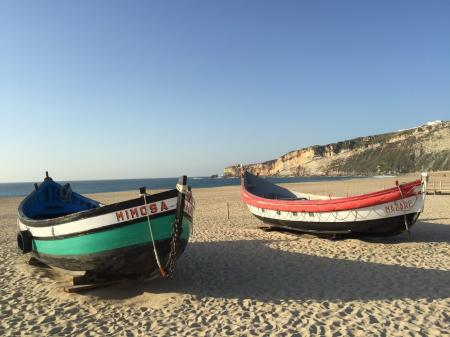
(116, 240)
(377, 227)
(382, 213)
(125, 261)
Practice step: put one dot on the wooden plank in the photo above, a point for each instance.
(90, 286)
(84, 279)
(36, 263)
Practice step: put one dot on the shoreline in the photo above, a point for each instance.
(433, 177)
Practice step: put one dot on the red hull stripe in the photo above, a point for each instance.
(332, 205)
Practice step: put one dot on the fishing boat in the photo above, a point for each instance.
(386, 212)
(140, 236)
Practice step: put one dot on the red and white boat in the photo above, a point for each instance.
(387, 212)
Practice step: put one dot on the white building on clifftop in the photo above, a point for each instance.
(437, 122)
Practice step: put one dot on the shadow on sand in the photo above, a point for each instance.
(420, 232)
(252, 269)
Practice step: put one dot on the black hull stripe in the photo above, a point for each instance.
(106, 228)
(377, 227)
(135, 260)
(99, 211)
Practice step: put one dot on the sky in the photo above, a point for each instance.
(148, 89)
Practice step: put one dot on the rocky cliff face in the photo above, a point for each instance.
(426, 147)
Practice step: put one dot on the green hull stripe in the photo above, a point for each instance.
(124, 236)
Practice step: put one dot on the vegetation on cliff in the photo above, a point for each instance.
(424, 148)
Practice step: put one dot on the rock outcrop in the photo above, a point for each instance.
(424, 148)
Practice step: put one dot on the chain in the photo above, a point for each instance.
(173, 248)
(177, 225)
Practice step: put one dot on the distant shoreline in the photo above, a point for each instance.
(123, 185)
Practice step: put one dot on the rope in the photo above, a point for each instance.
(302, 216)
(182, 188)
(404, 216)
(158, 262)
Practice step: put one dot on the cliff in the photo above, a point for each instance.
(424, 148)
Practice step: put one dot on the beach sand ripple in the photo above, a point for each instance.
(235, 279)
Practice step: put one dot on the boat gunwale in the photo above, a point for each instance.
(338, 204)
(109, 227)
(92, 212)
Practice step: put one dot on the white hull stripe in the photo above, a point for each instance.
(409, 205)
(84, 225)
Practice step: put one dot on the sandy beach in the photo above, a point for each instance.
(236, 279)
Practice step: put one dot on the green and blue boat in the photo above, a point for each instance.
(140, 236)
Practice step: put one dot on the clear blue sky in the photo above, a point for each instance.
(137, 89)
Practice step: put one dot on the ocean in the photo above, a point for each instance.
(99, 186)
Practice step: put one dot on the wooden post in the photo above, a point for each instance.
(180, 201)
(228, 210)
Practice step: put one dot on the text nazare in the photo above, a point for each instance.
(398, 206)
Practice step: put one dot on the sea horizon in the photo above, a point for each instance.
(21, 189)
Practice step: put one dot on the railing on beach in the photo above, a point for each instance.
(438, 187)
